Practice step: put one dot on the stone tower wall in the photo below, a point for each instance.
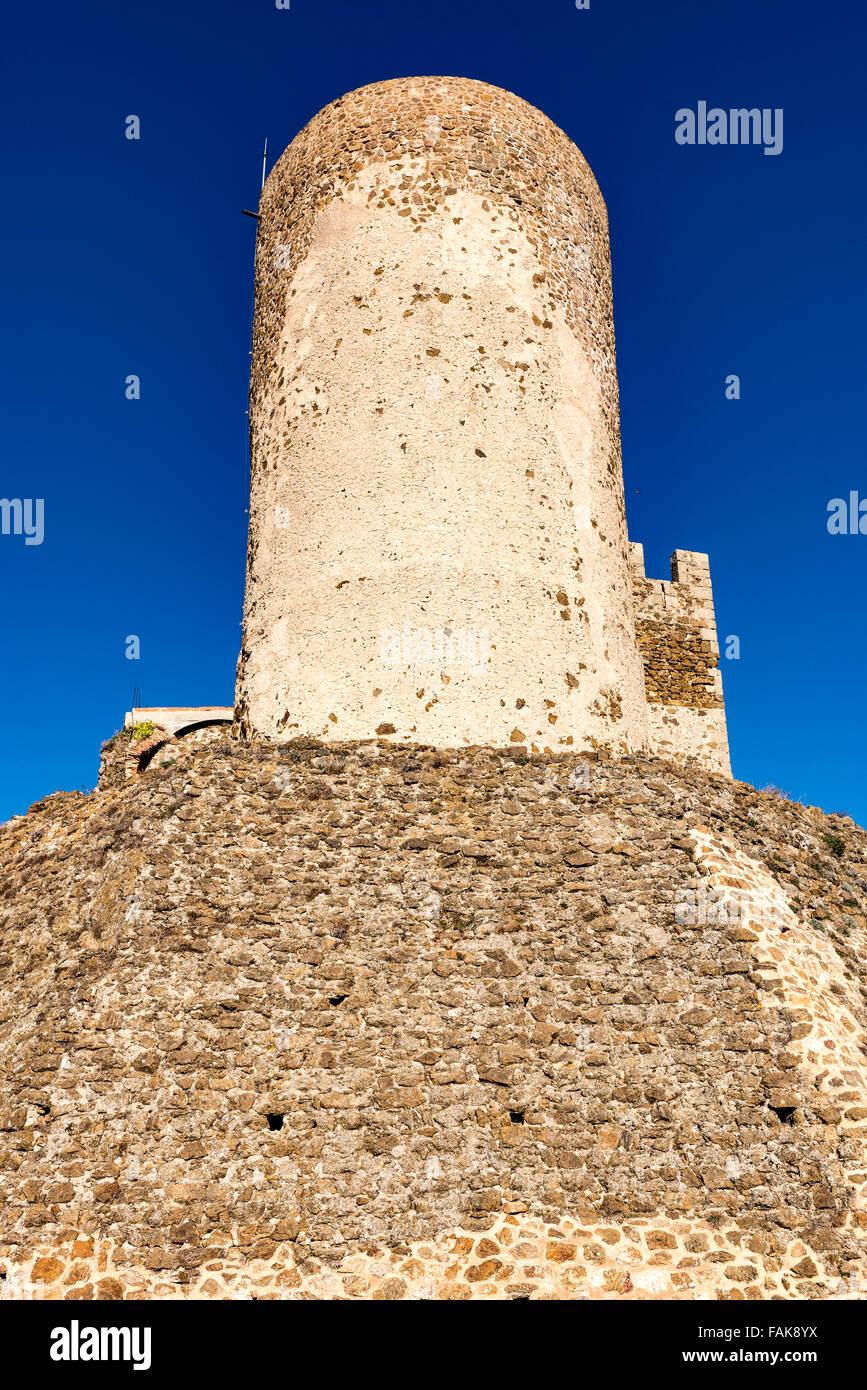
(437, 547)
(676, 631)
(364, 1021)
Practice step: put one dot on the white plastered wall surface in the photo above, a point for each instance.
(438, 540)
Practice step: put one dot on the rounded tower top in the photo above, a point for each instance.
(472, 136)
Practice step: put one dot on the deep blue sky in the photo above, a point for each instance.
(124, 257)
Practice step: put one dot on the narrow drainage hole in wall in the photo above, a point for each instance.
(275, 1120)
(784, 1113)
(337, 999)
(516, 1116)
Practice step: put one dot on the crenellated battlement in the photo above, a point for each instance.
(675, 627)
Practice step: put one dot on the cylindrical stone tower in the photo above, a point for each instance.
(437, 547)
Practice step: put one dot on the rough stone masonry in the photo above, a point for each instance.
(486, 985)
(364, 1021)
(435, 446)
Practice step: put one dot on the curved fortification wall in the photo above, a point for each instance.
(360, 1021)
(437, 545)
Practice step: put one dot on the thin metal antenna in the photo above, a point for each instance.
(264, 160)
